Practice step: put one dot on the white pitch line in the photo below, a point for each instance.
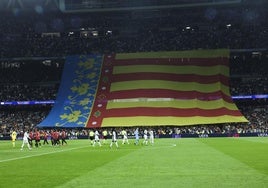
(36, 155)
(29, 156)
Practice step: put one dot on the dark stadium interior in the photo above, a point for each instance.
(36, 37)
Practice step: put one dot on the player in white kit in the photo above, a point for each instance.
(151, 133)
(114, 139)
(125, 139)
(145, 136)
(97, 138)
(25, 140)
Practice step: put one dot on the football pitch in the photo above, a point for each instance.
(188, 162)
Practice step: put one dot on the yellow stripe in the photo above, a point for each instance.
(171, 85)
(173, 69)
(170, 121)
(176, 54)
(194, 103)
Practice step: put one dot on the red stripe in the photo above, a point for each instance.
(174, 61)
(164, 93)
(171, 77)
(145, 111)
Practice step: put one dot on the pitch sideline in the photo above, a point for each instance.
(40, 154)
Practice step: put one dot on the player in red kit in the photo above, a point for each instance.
(31, 138)
(52, 137)
(37, 137)
(56, 138)
(63, 137)
(45, 135)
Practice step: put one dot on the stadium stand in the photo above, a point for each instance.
(33, 51)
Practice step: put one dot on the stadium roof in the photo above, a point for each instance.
(110, 5)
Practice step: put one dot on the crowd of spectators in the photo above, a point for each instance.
(30, 80)
(58, 34)
(25, 92)
(20, 118)
(248, 74)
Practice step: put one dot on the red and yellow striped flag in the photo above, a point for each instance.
(164, 89)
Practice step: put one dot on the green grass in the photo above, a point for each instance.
(200, 162)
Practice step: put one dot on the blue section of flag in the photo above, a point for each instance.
(76, 93)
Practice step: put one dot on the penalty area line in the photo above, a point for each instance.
(40, 154)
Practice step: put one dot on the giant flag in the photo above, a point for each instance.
(145, 89)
